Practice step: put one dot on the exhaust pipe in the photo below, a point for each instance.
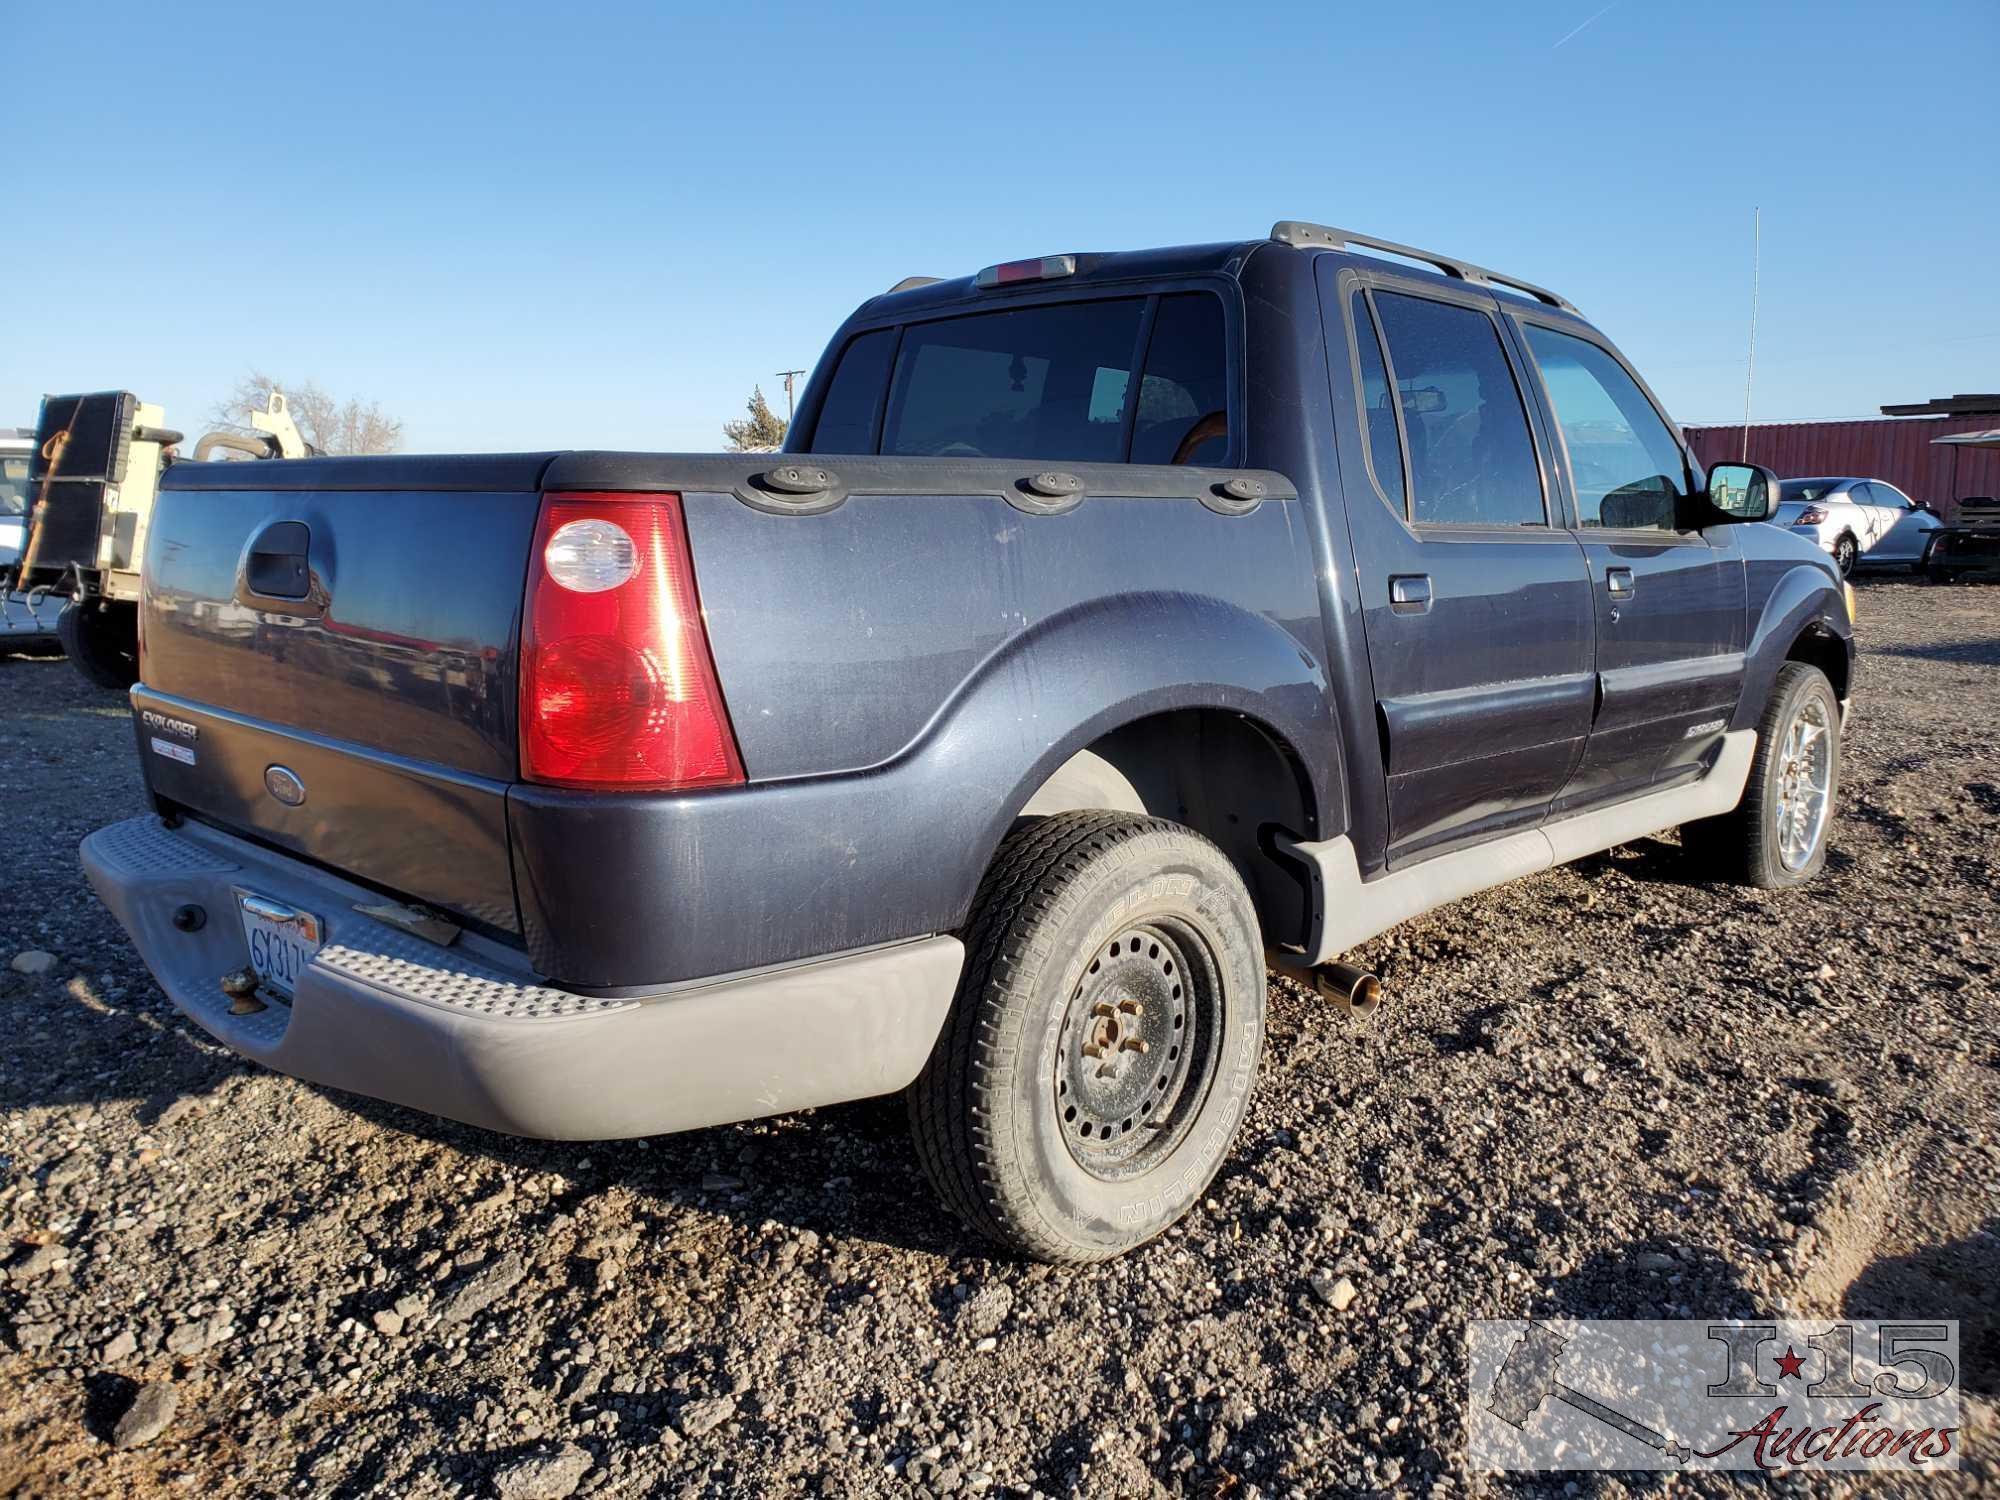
(1355, 991)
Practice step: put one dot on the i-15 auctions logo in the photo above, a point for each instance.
(1782, 1394)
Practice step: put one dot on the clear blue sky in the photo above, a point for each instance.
(522, 226)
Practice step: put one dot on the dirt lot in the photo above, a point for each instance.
(1610, 1091)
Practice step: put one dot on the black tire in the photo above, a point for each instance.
(1845, 551)
(1746, 845)
(1043, 983)
(101, 642)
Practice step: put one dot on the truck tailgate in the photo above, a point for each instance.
(362, 640)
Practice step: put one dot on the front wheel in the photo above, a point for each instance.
(1777, 836)
(1099, 1055)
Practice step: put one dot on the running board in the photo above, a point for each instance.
(1347, 910)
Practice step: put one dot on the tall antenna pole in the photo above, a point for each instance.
(1750, 373)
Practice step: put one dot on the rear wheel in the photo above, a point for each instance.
(1777, 836)
(1845, 551)
(101, 642)
(1098, 1059)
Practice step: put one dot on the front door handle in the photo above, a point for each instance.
(1619, 581)
(1410, 593)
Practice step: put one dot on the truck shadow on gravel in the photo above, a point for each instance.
(1984, 653)
(847, 1169)
(1651, 1278)
(1959, 1279)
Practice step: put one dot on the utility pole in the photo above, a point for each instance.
(1750, 372)
(786, 376)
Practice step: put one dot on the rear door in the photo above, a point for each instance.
(1475, 600)
(1908, 530)
(1851, 512)
(1668, 599)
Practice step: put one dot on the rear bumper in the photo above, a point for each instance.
(469, 1033)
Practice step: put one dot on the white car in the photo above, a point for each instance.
(24, 624)
(1857, 522)
(15, 446)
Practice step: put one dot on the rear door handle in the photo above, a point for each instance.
(1619, 581)
(1410, 593)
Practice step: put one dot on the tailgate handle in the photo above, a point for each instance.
(276, 565)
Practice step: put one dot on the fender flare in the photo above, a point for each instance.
(898, 849)
(1051, 691)
(1804, 599)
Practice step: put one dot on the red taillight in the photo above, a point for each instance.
(617, 685)
(1812, 515)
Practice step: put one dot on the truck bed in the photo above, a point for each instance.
(871, 639)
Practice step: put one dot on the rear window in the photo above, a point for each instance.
(1052, 382)
(1807, 489)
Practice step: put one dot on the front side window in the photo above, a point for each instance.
(1623, 462)
(1886, 495)
(1472, 460)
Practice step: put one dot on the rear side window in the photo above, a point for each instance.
(1378, 408)
(1472, 461)
(854, 400)
(1052, 382)
(1623, 462)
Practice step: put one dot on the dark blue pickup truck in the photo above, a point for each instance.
(1114, 625)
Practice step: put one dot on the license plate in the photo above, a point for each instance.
(282, 939)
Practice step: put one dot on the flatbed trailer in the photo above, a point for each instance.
(1968, 549)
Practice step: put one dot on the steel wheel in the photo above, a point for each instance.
(1804, 783)
(1100, 1053)
(1138, 1049)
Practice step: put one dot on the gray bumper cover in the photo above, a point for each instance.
(467, 1032)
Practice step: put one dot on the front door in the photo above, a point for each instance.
(1669, 599)
(1475, 600)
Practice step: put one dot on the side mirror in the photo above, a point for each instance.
(1743, 492)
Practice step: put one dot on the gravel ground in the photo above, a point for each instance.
(1608, 1091)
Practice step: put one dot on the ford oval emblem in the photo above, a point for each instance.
(284, 785)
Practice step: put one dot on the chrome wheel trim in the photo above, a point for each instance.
(1804, 782)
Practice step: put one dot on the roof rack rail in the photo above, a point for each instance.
(911, 283)
(1302, 235)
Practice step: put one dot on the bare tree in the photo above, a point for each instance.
(763, 431)
(329, 424)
